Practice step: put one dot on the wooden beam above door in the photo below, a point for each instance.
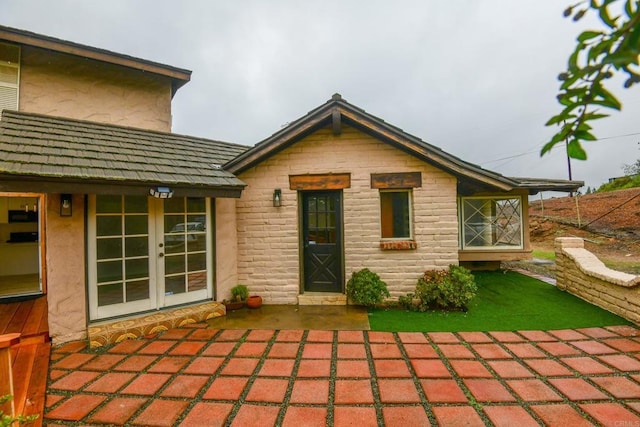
(331, 181)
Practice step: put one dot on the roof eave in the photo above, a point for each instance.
(413, 145)
(179, 76)
(52, 184)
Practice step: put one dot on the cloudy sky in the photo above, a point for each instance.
(476, 78)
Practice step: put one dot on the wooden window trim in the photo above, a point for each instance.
(330, 181)
(396, 180)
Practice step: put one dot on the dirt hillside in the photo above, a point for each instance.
(609, 223)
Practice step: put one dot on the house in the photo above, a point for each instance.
(114, 217)
(353, 192)
(87, 163)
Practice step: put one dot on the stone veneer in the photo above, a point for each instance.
(579, 272)
(269, 237)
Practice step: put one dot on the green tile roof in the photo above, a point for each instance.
(51, 148)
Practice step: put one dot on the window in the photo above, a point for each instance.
(9, 76)
(491, 222)
(395, 217)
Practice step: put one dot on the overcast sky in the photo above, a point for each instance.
(476, 78)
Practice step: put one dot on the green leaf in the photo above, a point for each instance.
(547, 148)
(584, 135)
(588, 35)
(559, 118)
(604, 15)
(608, 100)
(575, 150)
(573, 60)
(595, 116)
(627, 8)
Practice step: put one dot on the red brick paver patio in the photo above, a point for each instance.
(204, 377)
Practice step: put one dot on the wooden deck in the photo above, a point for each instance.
(30, 357)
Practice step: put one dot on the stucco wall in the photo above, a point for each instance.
(226, 248)
(67, 86)
(268, 237)
(581, 273)
(65, 271)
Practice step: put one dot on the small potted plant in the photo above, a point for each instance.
(254, 301)
(239, 295)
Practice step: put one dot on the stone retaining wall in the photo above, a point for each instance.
(579, 272)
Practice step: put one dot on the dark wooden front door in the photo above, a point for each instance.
(322, 240)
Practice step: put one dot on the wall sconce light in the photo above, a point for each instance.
(277, 198)
(66, 205)
(161, 192)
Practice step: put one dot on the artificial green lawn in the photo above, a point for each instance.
(506, 301)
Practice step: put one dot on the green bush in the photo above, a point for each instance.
(240, 293)
(7, 420)
(366, 288)
(442, 289)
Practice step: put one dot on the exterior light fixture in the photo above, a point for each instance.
(66, 205)
(277, 198)
(161, 192)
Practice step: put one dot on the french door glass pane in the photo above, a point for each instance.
(136, 224)
(109, 204)
(174, 205)
(174, 264)
(109, 271)
(174, 285)
(136, 204)
(185, 245)
(123, 256)
(197, 281)
(137, 290)
(196, 204)
(109, 225)
(136, 246)
(109, 248)
(110, 294)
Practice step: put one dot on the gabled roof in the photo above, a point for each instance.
(68, 155)
(337, 111)
(179, 77)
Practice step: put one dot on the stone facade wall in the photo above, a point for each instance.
(268, 237)
(65, 270)
(62, 85)
(579, 272)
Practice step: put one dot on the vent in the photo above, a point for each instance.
(8, 98)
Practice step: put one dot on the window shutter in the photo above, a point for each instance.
(9, 76)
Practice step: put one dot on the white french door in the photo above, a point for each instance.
(147, 253)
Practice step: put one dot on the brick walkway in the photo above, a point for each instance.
(205, 377)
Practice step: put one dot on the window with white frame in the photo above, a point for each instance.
(395, 214)
(491, 222)
(9, 76)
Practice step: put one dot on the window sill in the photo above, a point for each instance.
(398, 245)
